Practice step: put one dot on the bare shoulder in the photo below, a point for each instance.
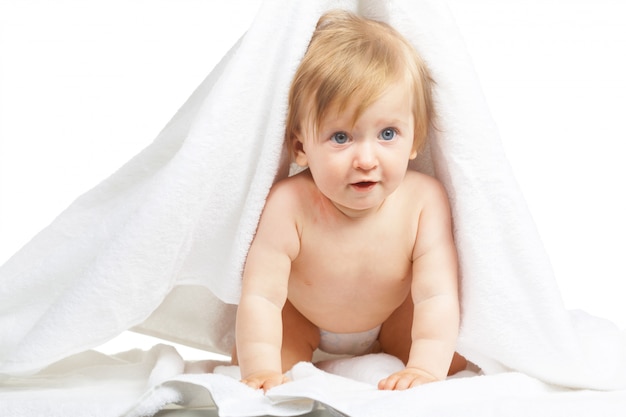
(291, 189)
(434, 213)
(289, 196)
(425, 189)
(280, 223)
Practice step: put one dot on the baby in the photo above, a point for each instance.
(354, 254)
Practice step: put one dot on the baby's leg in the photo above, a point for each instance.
(395, 336)
(300, 337)
(395, 333)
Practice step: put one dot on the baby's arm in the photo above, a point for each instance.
(435, 296)
(264, 292)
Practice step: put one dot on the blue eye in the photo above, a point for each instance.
(339, 138)
(387, 134)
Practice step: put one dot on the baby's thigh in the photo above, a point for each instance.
(300, 337)
(395, 333)
(395, 336)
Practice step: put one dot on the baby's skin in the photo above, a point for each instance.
(353, 242)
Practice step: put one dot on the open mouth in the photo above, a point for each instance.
(364, 185)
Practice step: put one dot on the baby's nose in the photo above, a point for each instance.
(365, 157)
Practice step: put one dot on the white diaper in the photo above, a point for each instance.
(348, 343)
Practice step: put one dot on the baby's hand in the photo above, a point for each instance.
(406, 378)
(264, 379)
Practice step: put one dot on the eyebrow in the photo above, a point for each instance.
(390, 122)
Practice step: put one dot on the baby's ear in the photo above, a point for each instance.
(298, 152)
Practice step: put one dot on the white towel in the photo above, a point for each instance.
(137, 384)
(170, 230)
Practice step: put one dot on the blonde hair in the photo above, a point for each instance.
(354, 60)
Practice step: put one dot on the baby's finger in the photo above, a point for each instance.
(271, 383)
(405, 382)
(252, 383)
(388, 383)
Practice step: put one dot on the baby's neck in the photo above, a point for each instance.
(356, 214)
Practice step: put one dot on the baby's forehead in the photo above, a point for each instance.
(348, 109)
(338, 111)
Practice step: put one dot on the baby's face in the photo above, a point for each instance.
(358, 165)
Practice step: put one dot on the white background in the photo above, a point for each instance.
(86, 84)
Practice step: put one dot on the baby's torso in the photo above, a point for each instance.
(351, 274)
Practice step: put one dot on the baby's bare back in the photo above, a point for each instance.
(351, 274)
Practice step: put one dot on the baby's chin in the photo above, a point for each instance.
(358, 210)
